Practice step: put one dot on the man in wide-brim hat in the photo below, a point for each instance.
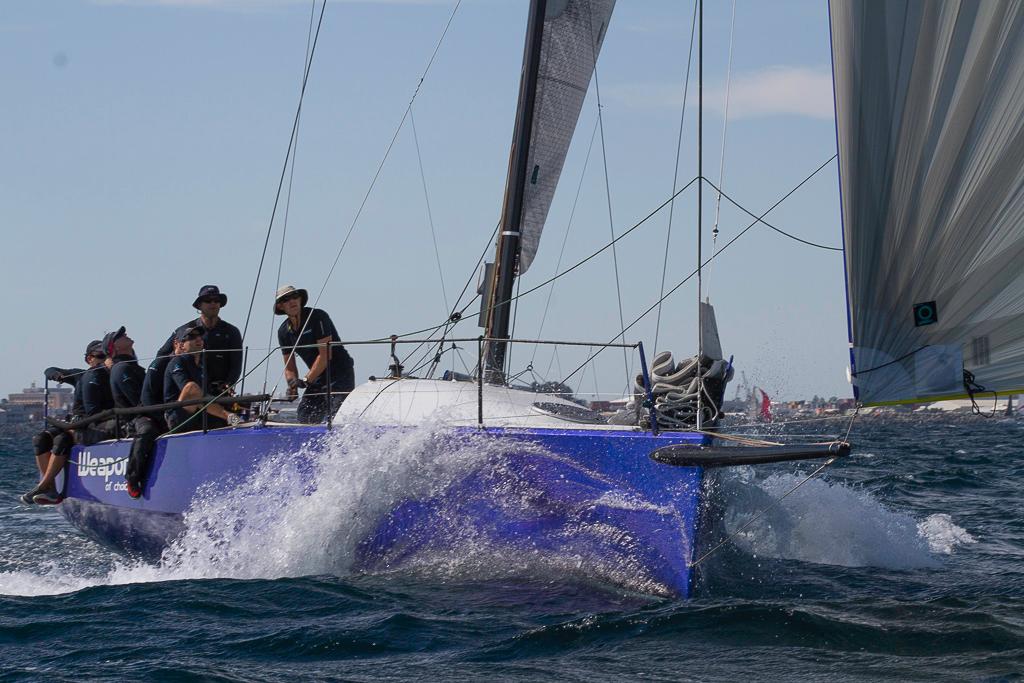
(309, 333)
(287, 293)
(222, 359)
(210, 294)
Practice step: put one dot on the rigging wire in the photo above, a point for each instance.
(760, 219)
(608, 196)
(757, 219)
(675, 175)
(457, 314)
(430, 215)
(725, 128)
(376, 175)
(387, 152)
(284, 167)
(611, 244)
(288, 197)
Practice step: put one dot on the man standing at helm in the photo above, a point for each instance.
(310, 334)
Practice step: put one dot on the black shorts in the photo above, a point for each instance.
(96, 432)
(315, 407)
(43, 441)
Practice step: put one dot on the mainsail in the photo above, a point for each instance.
(573, 33)
(930, 122)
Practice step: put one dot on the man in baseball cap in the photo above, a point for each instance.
(183, 381)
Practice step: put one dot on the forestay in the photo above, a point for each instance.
(930, 119)
(573, 33)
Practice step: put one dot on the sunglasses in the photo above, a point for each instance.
(210, 300)
(291, 297)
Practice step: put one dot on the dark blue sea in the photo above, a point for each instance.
(903, 562)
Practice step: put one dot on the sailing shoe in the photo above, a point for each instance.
(26, 498)
(134, 490)
(47, 497)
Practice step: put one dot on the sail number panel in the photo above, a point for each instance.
(926, 313)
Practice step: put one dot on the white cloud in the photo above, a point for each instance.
(772, 91)
(794, 90)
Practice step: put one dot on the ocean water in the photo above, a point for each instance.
(904, 562)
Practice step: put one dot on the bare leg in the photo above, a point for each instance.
(42, 460)
(56, 465)
(192, 391)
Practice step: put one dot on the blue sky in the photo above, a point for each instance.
(143, 140)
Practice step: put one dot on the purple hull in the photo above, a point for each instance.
(593, 498)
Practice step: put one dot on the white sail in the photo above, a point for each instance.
(573, 33)
(930, 122)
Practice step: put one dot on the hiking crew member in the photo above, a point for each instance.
(127, 379)
(153, 383)
(308, 333)
(91, 396)
(222, 361)
(54, 440)
(97, 398)
(126, 375)
(183, 381)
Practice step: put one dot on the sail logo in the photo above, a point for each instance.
(91, 466)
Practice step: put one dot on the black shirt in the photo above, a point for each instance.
(222, 365)
(180, 371)
(153, 384)
(95, 385)
(317, 326)
(126, 380)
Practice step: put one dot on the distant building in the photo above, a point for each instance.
(27, 405)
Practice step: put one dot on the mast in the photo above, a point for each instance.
(700, 210)
(507, 246)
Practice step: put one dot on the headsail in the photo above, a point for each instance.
(573, 33)
(930, 121)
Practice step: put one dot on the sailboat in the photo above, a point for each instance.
(631, 496)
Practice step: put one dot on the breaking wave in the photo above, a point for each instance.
(831, 523)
